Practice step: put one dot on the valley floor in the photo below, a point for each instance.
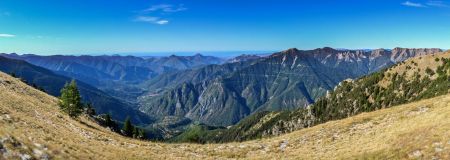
(32, 126)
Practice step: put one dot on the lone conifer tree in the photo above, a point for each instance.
(108, 120)
(89, 109)
(128, 128)
(70, 100)
(141, 134)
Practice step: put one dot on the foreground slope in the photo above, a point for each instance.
(32, 126)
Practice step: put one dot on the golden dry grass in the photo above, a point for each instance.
(416, 65)
(31, 124)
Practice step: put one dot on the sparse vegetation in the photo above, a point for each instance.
(32, 125)
(70, 100)
(130, 130)
(429, 71)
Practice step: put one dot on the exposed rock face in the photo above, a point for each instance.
(283, 81)
(243, 58)
(401, 54)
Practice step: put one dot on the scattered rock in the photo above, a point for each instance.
(416, 154)
(438, 147)
(25, 157)
(37, 152)
(418, 111)
(283, 145)
(2, 149)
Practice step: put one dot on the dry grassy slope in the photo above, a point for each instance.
(416, 65)
(32, 126)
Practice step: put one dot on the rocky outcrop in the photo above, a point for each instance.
(243, 58)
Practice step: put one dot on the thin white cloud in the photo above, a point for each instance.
(157, 14)
(413, 4)
(166, 8)
(7, 35)
(153, 20)
(437, 4)
(162, 22)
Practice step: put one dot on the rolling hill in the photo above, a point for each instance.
(52, 84)
(33, 127)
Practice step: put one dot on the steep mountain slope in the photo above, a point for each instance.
(119, 76)
(32, 127)
(52, 84)
(415, 79)
(165, 82)
(283, 81)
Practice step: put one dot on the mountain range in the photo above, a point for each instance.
(119, 76)
(413, 80)
(222, 95)
(167, 94)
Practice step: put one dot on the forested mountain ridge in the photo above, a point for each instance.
(409, 81)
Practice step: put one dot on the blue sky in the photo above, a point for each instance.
(170, 26)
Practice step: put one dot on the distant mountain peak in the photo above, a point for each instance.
(326, 49)
(291, 50)
(198, 55)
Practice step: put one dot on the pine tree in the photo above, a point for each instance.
(128, 128)
(141, 134)
(135, 132)
(108, 121)
(90, 110)
(70, 100)
(13, 74)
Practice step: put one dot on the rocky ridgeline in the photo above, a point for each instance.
(287, 80)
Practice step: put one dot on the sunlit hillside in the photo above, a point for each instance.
(33, 127)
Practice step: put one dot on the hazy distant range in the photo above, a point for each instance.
(223, 54)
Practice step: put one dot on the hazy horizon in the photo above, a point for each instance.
(222, 54)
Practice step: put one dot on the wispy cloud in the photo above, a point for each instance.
(157, 14)
(437, 4)
(149, 19)
(429, 4)
(167, 8)
(7, 35)
(162, 22)
(413, 4)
